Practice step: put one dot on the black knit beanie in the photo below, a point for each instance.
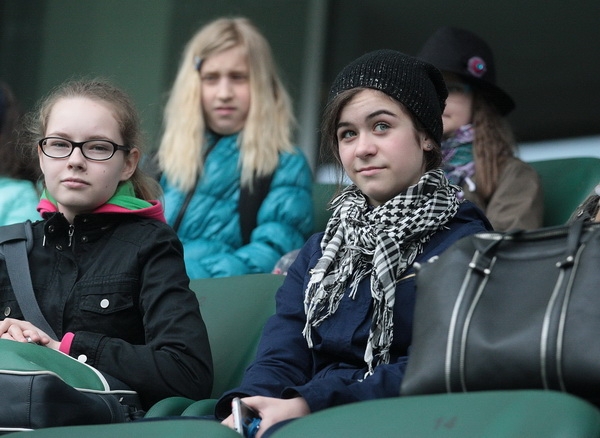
(419, 86)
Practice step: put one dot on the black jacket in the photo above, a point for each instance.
(118, 282)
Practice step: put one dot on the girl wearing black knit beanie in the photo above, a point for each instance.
(342, 328)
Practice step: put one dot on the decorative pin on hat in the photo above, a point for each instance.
(464, 53)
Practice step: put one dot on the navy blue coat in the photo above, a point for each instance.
(333, 372)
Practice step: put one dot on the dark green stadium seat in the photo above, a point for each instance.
(235, 310)
(321, 195)
(566, 183)
(169, 407)
(184, 407)
(490, 414)
(179, 428)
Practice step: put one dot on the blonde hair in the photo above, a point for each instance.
(125, 114)
(493, 143)
(267, 130)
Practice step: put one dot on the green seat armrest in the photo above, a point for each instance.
(169, 407)
(200, 408)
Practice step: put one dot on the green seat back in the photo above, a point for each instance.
(181, 428)
(235, 310)
(321, 195)
(490, 414)
(566, 183)
(169, 407)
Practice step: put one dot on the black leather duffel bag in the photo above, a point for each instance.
(510, 311)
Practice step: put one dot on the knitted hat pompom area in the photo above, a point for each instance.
(416, 84)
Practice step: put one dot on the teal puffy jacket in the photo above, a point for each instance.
(210, 228)
(18, 201)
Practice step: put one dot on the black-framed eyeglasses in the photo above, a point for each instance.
(96, 150)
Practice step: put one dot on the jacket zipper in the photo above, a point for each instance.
(71, 232)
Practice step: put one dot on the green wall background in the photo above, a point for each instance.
(545, 50)
(137, 44)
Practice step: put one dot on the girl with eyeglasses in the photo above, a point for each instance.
(107, 271)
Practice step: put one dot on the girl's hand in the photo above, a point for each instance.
(24, 331)
(273, 410)
(228, 421)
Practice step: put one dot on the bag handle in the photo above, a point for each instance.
(573, 242)
(16, 241)
(482, 260)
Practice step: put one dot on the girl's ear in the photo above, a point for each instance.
(40, 156)
(426, 144)
(131, 161)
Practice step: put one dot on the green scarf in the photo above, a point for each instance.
(124, 197)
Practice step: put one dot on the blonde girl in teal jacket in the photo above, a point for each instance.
(228, 123)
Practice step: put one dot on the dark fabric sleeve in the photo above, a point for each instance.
(518, 202)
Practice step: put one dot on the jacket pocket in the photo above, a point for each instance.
(108, 296)
(104, 303)
(110, 308)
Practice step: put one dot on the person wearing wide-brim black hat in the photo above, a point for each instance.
(478, 143)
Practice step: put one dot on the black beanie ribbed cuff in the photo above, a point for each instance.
(419, 86)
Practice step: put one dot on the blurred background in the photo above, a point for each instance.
(547, 53)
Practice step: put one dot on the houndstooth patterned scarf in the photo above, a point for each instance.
(381, 242)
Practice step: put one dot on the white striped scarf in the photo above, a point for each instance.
(382, 241)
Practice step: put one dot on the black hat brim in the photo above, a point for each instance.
(501, 99)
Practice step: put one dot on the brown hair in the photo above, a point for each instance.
(125, 114)
(493, 143)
